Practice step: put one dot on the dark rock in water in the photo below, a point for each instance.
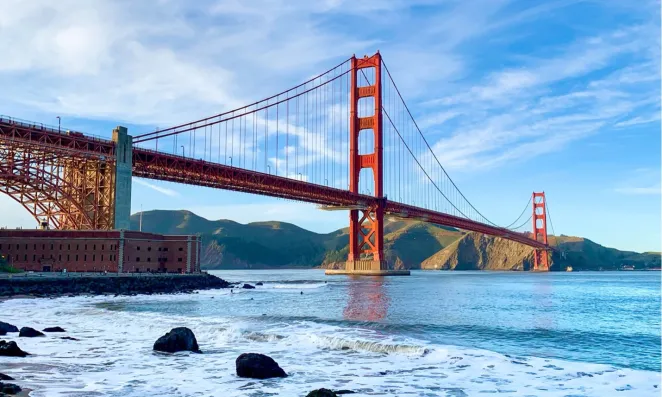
(248, 286)
(177, 340)
(68, 338)
(54, 329)
(8, 327)
(11, 349)
(9, 388)
(28, 332)
(322, 393)
(258, 366)
(260, 283)
(341, 392)
(5, 377)
(3, 332)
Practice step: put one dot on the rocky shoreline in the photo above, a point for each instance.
(78, 284)
(180, 339)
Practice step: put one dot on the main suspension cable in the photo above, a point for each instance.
(520, 215)
(431, 151)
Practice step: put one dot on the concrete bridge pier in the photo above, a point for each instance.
(366, 267)
(123, 171)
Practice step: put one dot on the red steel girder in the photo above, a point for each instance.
(37, 135)
(167, 167)
(408, 211)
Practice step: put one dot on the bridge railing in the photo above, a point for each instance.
(49, 128)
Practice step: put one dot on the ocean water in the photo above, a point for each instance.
(430, 334)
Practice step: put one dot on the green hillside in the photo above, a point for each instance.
(228, 244)
(408, 245)
(584, 254)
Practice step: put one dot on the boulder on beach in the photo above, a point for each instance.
(28, 332)
(258, 366)
(54, 329)
(11, 349)
(322, 393)
(5, 377)
(177, 340)
(8, 327)
(9, 388)
(248, 286)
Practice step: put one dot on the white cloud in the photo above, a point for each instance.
(641, 181)
(549, 102)
(160, 189)
(639, 120)
(650, 190)
(147, 62)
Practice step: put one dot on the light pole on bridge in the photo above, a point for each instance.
(59, 129)
(182, 146)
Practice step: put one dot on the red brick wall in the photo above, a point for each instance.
(154, 255)
(95, 251)
(36, 253)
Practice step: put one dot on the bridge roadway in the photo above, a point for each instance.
(173, 168)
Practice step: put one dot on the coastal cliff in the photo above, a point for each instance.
(474, 251)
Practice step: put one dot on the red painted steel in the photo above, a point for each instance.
(539, 217)
(42, 147)
(72, 143)
(173, 168)
(65, 178)
(366, 227)
(439, 218)
(167, 167)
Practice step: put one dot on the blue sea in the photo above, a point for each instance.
(429, 334)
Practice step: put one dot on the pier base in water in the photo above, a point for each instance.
(333, 272)
(367, 268)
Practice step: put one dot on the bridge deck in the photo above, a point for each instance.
(167, 167)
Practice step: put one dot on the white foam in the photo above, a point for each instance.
(292, 286)
(114, 357)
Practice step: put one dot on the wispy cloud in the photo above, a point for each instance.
(651, 190)
(639, 120)
(546, 104)
(641, 181)
(160, 189)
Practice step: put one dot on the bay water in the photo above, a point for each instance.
(429, 334)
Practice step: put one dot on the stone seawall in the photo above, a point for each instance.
(80, 284)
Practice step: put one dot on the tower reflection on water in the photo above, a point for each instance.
(367, 299)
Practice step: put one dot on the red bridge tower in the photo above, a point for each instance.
(366, 226)
(540, 256)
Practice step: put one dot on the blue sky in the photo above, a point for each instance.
(515, 96)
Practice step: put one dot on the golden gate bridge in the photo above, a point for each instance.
(344, 139)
